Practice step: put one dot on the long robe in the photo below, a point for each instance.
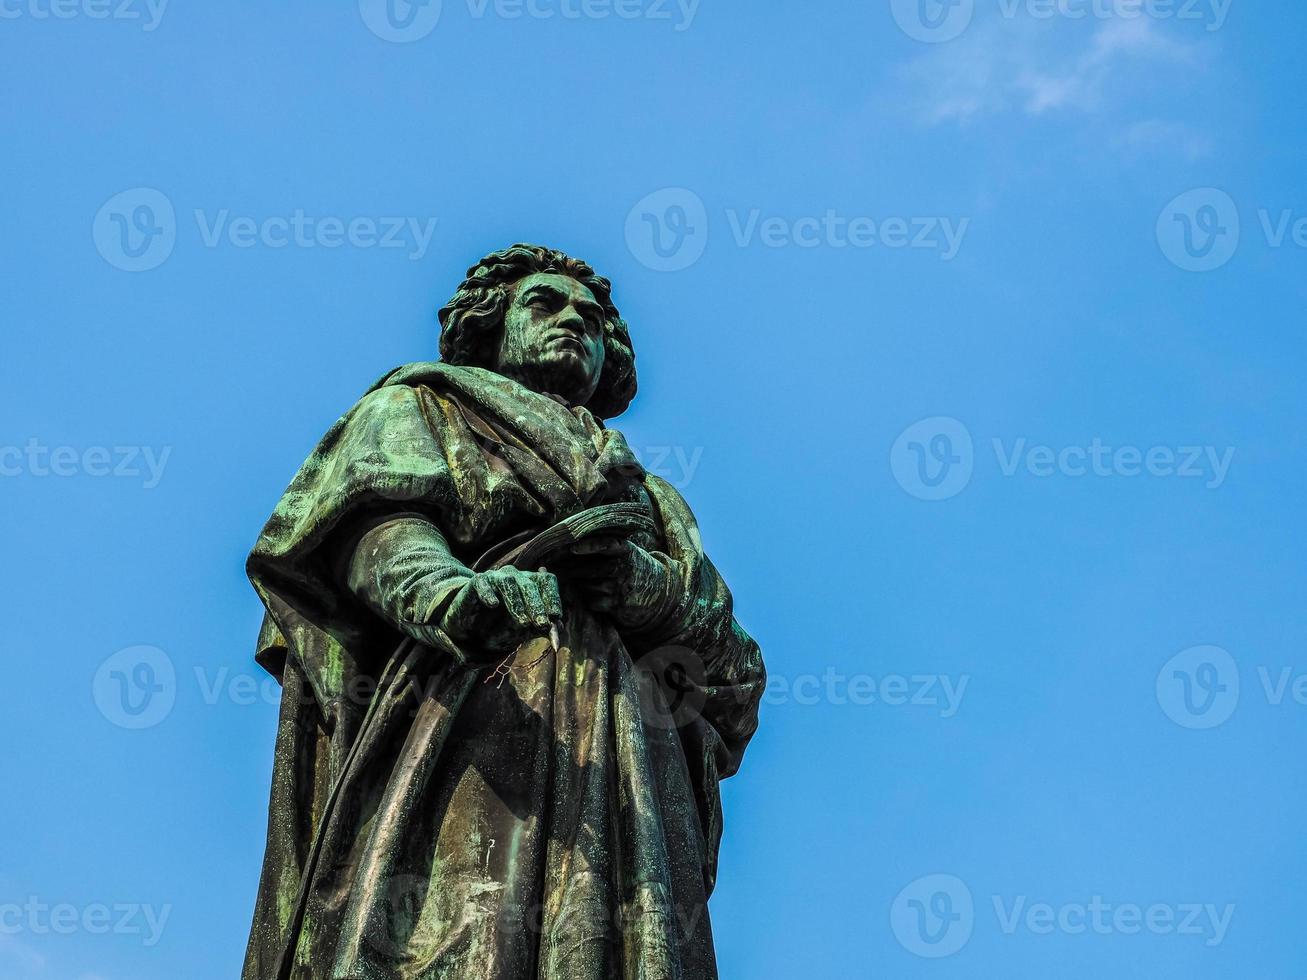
(558, 818)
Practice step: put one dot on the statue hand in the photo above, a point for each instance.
(498, 610)
(621, 579)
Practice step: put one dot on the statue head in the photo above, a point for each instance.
(546, 320)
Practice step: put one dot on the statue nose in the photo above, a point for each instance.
(570, 319)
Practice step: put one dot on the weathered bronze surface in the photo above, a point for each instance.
(511, 678)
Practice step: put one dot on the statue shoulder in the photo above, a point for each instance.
(438, 375)
(673, 509)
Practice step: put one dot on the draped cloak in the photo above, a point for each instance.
(557, 819)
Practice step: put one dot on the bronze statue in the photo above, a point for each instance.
(511, 678)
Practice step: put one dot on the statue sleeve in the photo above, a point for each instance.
(380, 460)
(703, 621)
(404, 571)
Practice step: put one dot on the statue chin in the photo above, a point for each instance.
(557, 372)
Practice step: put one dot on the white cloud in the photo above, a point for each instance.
(18, 955)
(1150, 136)
(1037, 68)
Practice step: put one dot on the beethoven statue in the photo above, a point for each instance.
(511, 679)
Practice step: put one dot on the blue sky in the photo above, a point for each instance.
(972, 332)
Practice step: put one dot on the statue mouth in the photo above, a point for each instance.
(569, 341)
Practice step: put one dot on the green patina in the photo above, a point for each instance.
(487, 769)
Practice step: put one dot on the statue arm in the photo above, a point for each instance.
(702, 619)
(404, 571)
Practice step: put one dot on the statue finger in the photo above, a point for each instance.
(510, 588)
(553, 598)
(533, 592)
(486, 592)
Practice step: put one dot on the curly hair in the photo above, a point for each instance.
(472, 322)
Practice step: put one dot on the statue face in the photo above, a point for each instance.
(553, 337)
